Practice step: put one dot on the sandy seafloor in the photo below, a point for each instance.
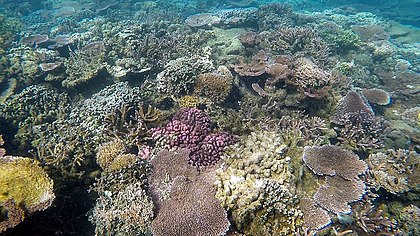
(233, 117)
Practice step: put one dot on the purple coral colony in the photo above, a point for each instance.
(209, 118)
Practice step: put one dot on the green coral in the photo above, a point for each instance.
(25, 182)
(258, 187)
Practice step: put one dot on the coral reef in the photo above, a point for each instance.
(184, 197)
(332, 160)
(257, 186)
(396, 171)
(179, 76)
(216, 85)
(25, 188)
(190, 128)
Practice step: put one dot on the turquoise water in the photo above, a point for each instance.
(233, 117)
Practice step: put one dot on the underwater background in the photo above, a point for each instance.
(199, 117)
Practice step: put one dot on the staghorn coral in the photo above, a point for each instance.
(70, 144)
(216, 85)
(274, 15)
(126, 212)
(184, 197)
(377, 96)
(332, 160)
(299, 42)
(396, 170)
(179, 76)
(360, 130)
(130, 123)
(257, 186)
(32, 111)
(337, 193)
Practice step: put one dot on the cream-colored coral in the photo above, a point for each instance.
(257, 185)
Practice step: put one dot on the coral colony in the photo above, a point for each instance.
(233, 117)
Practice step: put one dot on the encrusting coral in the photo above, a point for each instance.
(257, 186)
(184, 197)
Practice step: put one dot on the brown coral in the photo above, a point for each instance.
(337, 193)
(15, 215)
(216, 85)
(314, 217)
(185, 198)
(351, 103)
(377, 96)
(332, 160)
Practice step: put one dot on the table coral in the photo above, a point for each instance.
(184, 197)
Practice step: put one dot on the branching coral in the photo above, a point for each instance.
(396, 170)
(299, 42)
(84, 65)
(257, 186)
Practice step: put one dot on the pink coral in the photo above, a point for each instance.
(190, 129)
